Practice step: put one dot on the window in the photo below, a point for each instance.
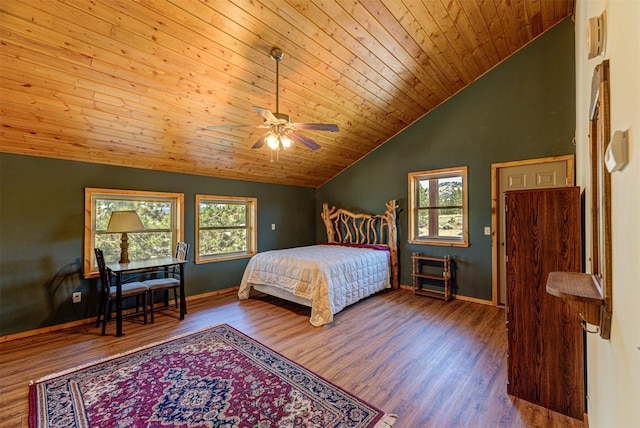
(225, 228)
(160, 213)
(438, 207)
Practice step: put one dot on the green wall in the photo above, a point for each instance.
(42, 223)
(523, 109)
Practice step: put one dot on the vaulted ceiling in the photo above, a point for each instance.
(136, 82)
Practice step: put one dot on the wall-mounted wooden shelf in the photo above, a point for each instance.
(418, 274)
(580, 291)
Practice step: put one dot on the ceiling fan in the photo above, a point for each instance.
(282, 131)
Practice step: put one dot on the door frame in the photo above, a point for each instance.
(495, 247)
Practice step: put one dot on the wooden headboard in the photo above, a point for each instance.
(375, 229)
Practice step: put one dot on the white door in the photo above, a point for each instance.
(521, 177)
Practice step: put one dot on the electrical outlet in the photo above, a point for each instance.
(487, 230)
(76, 297)
(273, 226)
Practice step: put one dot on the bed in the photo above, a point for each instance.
(359, 259)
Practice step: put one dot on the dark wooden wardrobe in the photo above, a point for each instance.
(545, 338)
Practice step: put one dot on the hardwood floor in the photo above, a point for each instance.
(432, 363)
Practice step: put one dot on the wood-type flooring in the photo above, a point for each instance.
(433, 363)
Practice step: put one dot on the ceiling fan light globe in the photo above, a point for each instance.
(272, 141)
(286, 141)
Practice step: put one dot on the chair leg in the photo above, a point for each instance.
(107, 310)
(144, 302)
(100, 308)
(152, 306)
(175, 295)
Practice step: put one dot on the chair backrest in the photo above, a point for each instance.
(182, 250)
(104, 270)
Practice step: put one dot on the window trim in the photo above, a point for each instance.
(252, 228)
(90, 196)
(413, 178)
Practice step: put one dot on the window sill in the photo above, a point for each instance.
(441, 243)
(203, 260)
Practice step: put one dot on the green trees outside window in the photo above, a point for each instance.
(160, 213)
(438, 207)
(155, 241)
(225, 227)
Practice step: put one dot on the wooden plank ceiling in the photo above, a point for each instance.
(136, 82)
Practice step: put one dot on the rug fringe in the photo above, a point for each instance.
(387, 421)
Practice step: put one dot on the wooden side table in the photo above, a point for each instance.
(418, 273)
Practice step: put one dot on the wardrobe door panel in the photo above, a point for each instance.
(545, 336)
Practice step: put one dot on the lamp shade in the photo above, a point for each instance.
(124, 221)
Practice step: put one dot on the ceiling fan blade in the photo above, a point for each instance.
(260, 142)
(308, 142)
(317, 126)
(266, 113)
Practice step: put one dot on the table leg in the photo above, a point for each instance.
(183, 301)
(119, 304)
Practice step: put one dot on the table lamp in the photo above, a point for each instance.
(124, 222)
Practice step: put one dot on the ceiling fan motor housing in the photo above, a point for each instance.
(282, 118)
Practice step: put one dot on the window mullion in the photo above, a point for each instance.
(434, 212)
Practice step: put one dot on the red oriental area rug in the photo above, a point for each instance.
(216, 377)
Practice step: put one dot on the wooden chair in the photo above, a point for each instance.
(170, 282)
(129, 289)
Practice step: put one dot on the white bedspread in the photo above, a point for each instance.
(330, 276)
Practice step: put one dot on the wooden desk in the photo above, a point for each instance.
(140, 266)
